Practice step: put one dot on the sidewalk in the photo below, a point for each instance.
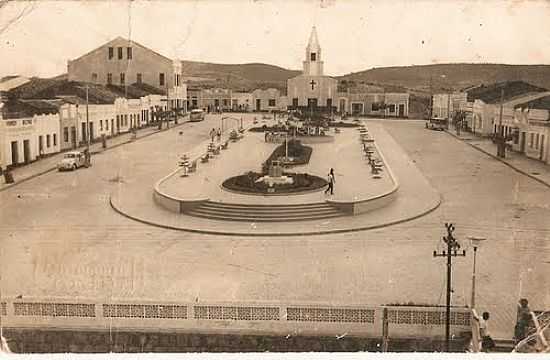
(532, 168)
(47, 164)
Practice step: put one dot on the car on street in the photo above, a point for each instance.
(72, 160)
(436, 124)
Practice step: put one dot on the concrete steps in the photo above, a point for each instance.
(264, 213)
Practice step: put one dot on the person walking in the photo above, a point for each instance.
(331, 182)
(522, 321)
(219, 134)
(212, 134)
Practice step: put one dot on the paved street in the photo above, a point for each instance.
(60, 238)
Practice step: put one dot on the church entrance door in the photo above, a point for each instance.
(312, 103)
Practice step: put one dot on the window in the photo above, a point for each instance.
(100, 124)
(54, 139)
(129, 53)
(225, 102)
(537, 141)
(329, 103)
(66, 134)
(138, 80)
(120, 53)
(125, 119)
(122, 78)
(313, 57)
(94, 77)
(48, 140)
(109, 78)
(295, 102)
(271, 102)
(531, 139)
(376, 106)
(177, 80)
(161, 79)
(107, 124)
(392, 108)
(111, 52)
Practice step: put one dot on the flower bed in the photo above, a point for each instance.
(298, 152)
(247, 183)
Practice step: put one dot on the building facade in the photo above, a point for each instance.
(266, 100)
(26, 139)
(242, 101)
(123, 62)
(312, 89)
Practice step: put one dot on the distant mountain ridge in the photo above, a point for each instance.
(455, 76)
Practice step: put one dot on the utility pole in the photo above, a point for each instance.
(431, 99)
(87, 122)
(501, 148)
(452, 251)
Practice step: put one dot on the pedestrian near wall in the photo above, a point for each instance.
(487, 342)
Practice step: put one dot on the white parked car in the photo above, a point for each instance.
(72, 161)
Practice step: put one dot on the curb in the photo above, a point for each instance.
(274, 234)
(515, 168)
(9, 186)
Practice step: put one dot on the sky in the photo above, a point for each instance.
(37, 38)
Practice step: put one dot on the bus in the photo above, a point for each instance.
(196, 115)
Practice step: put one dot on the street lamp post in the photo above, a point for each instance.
(476, 242)
(452, 251)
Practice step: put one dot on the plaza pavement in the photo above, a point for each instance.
(353, 176)
(415, 196)
(60, 238)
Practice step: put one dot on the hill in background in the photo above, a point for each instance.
(453, 76)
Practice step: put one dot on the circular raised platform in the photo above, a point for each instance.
(317, 214)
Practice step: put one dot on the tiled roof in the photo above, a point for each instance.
(542, 103)
(491, 94)
(15, 109)
(97, 94)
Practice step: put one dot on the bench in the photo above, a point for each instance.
(204, 159)
(225, 145)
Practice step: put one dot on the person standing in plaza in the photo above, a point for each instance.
(212, 134)
(487, 342)
(522, 321)
(331, 181)
(219, 134)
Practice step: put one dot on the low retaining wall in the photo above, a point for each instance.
(260, 318)
(307, 139)
(172, 203)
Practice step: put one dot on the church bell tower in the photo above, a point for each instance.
(313, 66)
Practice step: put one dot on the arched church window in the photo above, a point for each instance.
(313, 56)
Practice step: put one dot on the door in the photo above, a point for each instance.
(84, 133)
(258, 104)
(541, 156)
(40, 145)
(14, 152)
(91, 132)
(522, 142)
(112, 126)
(342, 106)
(26, 151)
(357, 108)
(401, 110)
(312, 103)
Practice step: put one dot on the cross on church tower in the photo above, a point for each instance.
(312, 83)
